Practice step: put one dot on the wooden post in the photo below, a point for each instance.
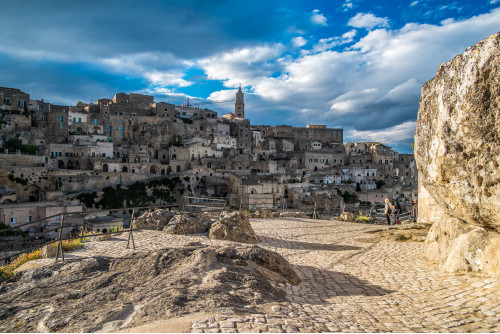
(182, 209)
(59, 244)
(283, 201)
(130, 233)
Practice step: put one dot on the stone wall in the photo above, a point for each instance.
(9, 161)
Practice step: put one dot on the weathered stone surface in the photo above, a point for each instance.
(458, 157)
(101, 293)
(347, 216)
(264, 259)
(190, 224)
(157, 219)
(233, 226)
(263, 214)
(48, 251)
(295, 214)
(466, 251)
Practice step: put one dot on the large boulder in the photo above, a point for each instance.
(190, 224)
(458, 157)
(233, 226)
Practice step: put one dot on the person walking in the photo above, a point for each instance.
(414, 211)
(395, 215)
(387, 211)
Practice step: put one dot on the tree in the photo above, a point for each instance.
(14, 144)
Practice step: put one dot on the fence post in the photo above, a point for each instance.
(182, 209)
(59, 244)
(130, 233)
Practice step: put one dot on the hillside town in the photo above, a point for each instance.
(67, 158)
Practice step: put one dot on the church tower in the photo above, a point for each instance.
(239, 106)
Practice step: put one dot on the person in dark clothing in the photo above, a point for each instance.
(414, 211)
(387, 211)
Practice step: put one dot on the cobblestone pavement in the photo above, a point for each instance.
(350, 282)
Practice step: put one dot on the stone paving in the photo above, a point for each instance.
(350, 282)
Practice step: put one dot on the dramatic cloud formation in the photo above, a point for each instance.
(358, 65)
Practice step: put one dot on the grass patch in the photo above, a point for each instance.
(364, 219)
(7, 271)
(69, 245)
(402, 237)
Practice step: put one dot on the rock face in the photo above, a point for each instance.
(457, 150)
(98, 293)
(156, 219)
(233, 226)
(190, 224)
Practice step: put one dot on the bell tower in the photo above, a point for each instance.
(239, 106)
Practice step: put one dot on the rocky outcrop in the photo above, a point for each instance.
(101, 293)
(157, 219)
(347, 216)
(293, 214)
(233, 226)
(190, 224)
(457, 152)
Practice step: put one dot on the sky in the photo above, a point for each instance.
(352, 64)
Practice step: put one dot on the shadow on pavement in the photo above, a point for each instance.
(321, 284)
(292, 244)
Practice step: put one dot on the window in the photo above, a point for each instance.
(95, 121)
(60, 118)
(79, 119)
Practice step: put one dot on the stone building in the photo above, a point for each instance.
(13, 99)
(44, 215)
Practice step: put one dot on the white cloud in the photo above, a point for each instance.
(347, 5)
(167, 78)
(318, 18)
(492, 2)
(368, 21)
(351, 101)
(299, 41)
(167, 92)
(374, 84)
(222, 95)
(329, 43)
(392, 136)
(414, 3)
(243, 66)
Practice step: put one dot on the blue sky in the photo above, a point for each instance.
(355, 64)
